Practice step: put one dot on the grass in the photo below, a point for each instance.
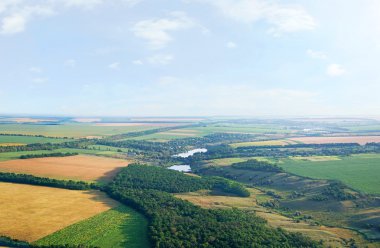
(29, 140)
(360, 172)
(31, 212)
(118, 227)
(70, 130)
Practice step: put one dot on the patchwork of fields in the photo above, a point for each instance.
(31, 212)
(47, 216)
(81, 167)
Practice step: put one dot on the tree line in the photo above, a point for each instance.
(44, 155)
(44, 181)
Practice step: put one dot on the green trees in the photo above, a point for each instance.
(179, 223)
(253, 164)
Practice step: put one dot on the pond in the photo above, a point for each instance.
(185, 167)
(190, 153)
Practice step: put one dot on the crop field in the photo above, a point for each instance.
(71, 130)
(31, 212)
(331, 236)
(118, 227)
(360, 172)
(98, 151)
(23, 140)
(240, 128)
(264, 143)
(364, 128)
(229, 161)
(170, 135)
(344, 139)
(79, 167)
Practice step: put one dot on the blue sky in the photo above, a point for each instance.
(189, 57)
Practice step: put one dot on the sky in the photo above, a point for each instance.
(190, 57)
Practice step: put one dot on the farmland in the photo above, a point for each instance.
(344, 139)
(76, 167)
(240, 128)
(32, 212)
(97, 150)
(264, 143)
(22, 140)
(118, 227)
(72, 130)
(285, 198)
(360, 172)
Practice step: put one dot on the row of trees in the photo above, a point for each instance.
(44, 181)
(44, 155)
(226, 151)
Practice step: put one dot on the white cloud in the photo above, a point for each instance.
(35, 69)
(70, 63)
(16, 14)
(13, 24)
(231, 45)
(160, 59)
(168, 81)
(16, 20)
(281, 18)
(137, 62)
(157, 31)
(40, 80)
(316, 54)
(335, 70)
(114, 66)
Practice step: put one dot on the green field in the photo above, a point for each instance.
(4, 156)
(119, 227)
(69, 130)
(161, 137)
(360, 172)
(240, 128)
(29, 140)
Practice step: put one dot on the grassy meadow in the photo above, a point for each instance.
(118, 227)
(360, 172)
